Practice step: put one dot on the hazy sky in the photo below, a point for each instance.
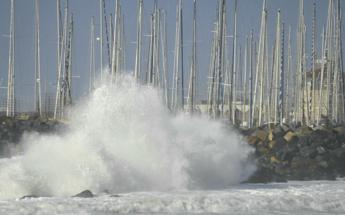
(249, 13)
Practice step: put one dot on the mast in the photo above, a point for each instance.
(164, 55)
(177, 58)
(101, 35)
(341, 66)
(276, 69)
(313, 115)
(282, 76)
(219, 66)
(138, 51)
(38, 99)
(288, 91)
(192, 81)
(182, 58)
(244, 94)
(58, 110)
(107, 27)
(321, 93)
(10, 110)
(338, 88)
(92, 55)
(151, 52)
(261, 67)
(114, 55)
(67, 81)
(212, 71)
(58, 82)
(234, 57)
(250, 116)
(302, 114)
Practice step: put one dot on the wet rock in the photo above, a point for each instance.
(261, 134)
(320, 150)
(29, 197)
(271, 144)
(271, 136)
(12, 129)
(252, 140)
(339, 130)
(265, 175)
(304, 130)
(301, 153)
(85, 194)
(289, 136)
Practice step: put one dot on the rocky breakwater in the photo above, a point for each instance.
(284, 153)
(12, 130)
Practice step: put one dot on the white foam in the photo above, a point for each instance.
(123, 138)
(303, 198)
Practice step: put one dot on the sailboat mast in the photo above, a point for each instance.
(114, 55)
(138, 51)
(182, 58)
(177, 58)
(101, 35)
(92, 55)
(192, 82)
(164, 55)
(314, 65)
(276, 63)
(59, 52)
(38, 100)
(233, 70)
(282, 76)
(10, 110)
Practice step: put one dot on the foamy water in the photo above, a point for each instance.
(303, 198)
(123, 139)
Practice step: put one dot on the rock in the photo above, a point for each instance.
(278, 129)
(29, 197)
(261, 134)
(308, 152)
(12, 129)
(271, 144)
(270, 136)
(285, 128)
(320, 150)
(323, 164)
(85, 194)
(339, 130)
(252, 140)
(266, 175)
(304, 130)
(274, 160)
(289, 136)
(301, 154)
(115, 196)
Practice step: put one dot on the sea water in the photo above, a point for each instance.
(302, 198)
(123, 140)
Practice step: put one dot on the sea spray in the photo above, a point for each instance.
(122, 139)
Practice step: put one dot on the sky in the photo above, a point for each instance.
(249, 16)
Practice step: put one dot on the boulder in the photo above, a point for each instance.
(270, 136)
(271, 144)
(274, 160)
(29, 197)
(265, 175)
(252, 140)
(339, 130)
(304, 130)
(289, 136)
(85, 194)
(261, 134)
